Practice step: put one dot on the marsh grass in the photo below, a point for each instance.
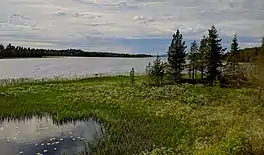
(62, 79)
(142, 119)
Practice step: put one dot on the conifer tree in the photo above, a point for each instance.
(214, 65)
(192, 57)
(202, 55)
(156, 71)
(177, 56)
(234, 53)
(232, 67)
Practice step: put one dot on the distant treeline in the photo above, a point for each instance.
(11, 51)
(247, 54)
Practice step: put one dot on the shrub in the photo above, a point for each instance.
(156, 72)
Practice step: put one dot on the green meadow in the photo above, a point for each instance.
(142, 119)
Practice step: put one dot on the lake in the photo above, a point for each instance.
(41, 136)
(70, 66)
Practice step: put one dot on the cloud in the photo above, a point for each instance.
(66, 23)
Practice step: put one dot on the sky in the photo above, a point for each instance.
(127, 26)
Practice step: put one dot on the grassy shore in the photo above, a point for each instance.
(186, 119)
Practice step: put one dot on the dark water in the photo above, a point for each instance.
(41, 136)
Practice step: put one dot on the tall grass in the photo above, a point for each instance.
(59, 79)
(141, 119)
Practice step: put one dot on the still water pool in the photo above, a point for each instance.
(43, 136)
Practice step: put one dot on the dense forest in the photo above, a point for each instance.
(11, 51)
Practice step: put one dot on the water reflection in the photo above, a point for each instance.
(42, 136)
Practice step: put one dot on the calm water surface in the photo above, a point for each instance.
(69, 66)
(41, 136)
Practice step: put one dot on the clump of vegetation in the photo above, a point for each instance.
(132, 76)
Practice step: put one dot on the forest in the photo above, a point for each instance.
(11, 51)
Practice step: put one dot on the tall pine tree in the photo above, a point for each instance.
(214, 65)
(234, 51)
(177, 55)
(232, 67)
(192, 57)
(202, 55)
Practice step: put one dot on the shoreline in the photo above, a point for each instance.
(59, 79)
(134, 57)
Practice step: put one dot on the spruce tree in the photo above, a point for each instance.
(214, 56)
(192, 57)
(156, 71)
(234, 53)
(202, 55)
(231, 68)
(177, 56)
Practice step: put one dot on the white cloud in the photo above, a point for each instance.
(63, 20)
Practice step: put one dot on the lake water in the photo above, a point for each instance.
(41, 136)
(69, 66)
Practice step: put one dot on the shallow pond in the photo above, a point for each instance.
(42, 136)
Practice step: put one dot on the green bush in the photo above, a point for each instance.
(156, 72)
